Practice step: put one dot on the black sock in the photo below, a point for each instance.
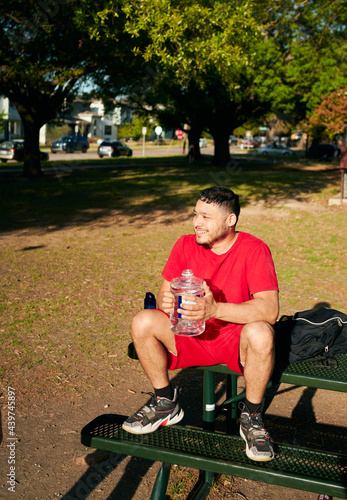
(166, 392)
(253, 407)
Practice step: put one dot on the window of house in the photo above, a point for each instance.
(108, 129)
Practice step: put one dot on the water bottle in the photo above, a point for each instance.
(187, 284)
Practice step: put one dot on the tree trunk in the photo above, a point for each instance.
(194, 135)
(36, 109)
(32, 161)
(221, 147)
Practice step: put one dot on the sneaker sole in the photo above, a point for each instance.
(255, 458)
(153, 427)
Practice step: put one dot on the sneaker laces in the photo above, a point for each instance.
(256, 419)
(151, 404)
(155, 400)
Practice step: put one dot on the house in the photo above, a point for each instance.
(90, 120)
(86, 119)
(13, 128)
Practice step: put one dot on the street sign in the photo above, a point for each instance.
(179, 133)
(144, 130)
(262, 128)
(158, 130)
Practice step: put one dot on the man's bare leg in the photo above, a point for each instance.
(257, 352)
(151, 334)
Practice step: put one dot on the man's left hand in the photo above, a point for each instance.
(203, 308)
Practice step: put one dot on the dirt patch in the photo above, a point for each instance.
(66, 334)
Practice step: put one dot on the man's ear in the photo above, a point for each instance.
(232, 219)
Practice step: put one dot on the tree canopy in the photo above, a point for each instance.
(306, 43)
(191, 39)
(44, 52)
(228, 61)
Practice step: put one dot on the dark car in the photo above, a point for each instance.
(324, 151)
(70, 143)
(14, 150)
(114, 148)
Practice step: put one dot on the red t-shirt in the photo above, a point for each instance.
(234, 276)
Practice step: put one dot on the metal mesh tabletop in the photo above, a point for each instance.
(314, 374)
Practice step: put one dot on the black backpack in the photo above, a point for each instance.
(314, 334)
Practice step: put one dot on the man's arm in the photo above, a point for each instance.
(263, 307)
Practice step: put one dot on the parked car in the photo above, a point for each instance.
(275, 150)
(70, 143)
(114, 148)
(324, 151)
(233, 140)
(202, 143)
(249, 143)
(14, 150)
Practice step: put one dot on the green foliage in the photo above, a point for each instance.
(53, 133)
(45, 52)
(134, 129)
(227, 61)
(3, 119)
(307, 43)
(192, 38)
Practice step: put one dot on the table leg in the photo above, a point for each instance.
(161, 482)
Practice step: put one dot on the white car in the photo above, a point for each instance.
(275, 150)
(202, 143)
(114, 148)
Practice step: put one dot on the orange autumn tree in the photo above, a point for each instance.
(329, 118)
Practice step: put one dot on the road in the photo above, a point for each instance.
(150, 151)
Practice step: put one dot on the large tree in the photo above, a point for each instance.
(45, 51)
(203, 50)
(247, 58)
(304, 54)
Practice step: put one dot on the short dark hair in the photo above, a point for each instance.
(221, 196)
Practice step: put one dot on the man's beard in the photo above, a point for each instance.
(213, 237)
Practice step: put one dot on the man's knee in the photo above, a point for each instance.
(146, 322)
(140, 323)
(258, 335)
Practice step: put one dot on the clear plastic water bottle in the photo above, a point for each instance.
(187, 284)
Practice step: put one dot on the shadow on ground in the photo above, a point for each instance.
(78, 197)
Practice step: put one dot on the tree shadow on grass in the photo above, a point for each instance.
(80, 197)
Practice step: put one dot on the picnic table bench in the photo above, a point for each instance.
(223, 453)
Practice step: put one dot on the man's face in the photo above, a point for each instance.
(211, 223)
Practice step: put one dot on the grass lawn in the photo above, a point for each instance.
(79, 249)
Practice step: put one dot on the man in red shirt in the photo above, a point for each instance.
(239, 307)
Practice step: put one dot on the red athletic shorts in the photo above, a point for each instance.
(212, 347)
